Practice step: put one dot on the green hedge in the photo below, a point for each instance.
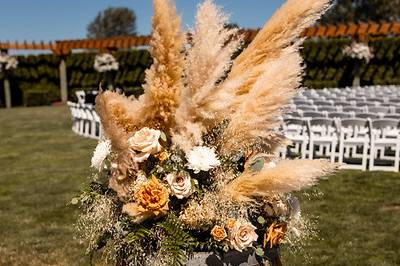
(325, 64)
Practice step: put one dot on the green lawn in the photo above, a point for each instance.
(43, 164)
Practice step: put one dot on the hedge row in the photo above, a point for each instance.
(326, 66)
(36, 80)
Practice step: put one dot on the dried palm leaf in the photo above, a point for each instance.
(164, 78)
(286, 176)
(278, 33)
(207, 61)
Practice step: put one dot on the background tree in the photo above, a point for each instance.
(362, 11)
(112, 22)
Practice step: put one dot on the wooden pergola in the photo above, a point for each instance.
(64, 48)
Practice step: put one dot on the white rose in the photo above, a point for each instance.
(180, 184)
(242, 236)
(202, 159)
(145, 141)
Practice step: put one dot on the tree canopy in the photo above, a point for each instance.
(363, 11)
(112, 22)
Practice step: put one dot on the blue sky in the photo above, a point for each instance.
(50, 20)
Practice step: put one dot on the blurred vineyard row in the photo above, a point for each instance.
(326, 66)
(36, 80)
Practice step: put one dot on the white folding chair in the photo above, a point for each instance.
(323, 134)
(354, 136)
(81, 95)
(385, 138)
(295, 130)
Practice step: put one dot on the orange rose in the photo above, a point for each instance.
(151, 201)
(275, 234)
(218, 233)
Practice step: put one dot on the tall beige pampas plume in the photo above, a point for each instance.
(257, 117)
(117, 119)
(207, 61)
(285, 177)
(164, 78)
(279, 32)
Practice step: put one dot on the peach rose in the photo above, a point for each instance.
(145, 142)
(242, 236)
(218, 233)
(180, 185)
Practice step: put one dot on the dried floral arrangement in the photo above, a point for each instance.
(191, 165)
(359, 50)
(105, 62)
(7, 62)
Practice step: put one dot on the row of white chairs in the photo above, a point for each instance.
(354, 143)
(85, 121)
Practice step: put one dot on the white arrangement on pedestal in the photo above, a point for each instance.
(105, 62)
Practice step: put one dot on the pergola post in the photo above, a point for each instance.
(63, 81)
(7, 92)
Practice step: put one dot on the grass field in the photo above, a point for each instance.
(43, 164)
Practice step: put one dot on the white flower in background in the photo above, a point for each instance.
(101, 152)
(180, 185)
(146, 142)
(105, 62)
(359, 51)
(8, 62)
(242, 235)
(202, 158)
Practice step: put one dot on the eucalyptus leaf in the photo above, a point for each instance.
(163, 136)
(257, 165)
(259, 252)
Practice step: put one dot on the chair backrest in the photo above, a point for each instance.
(327, 108)
(81, 95)
(367, 115)
(354, 128)
(312, 114)
(353, 109)
(323, 103)
(357, 99)
(386, 128)
(306, 107)
(385, 123)
(378, 109)
(302, 102)
(392, 116)
(369, 104)
(322, 122)
(342, 103)
(294, 121)
(340, 115)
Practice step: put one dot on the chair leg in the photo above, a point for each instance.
(365, 156)
(333, 150)
(372, 157)
(311, 152)
(397, 155)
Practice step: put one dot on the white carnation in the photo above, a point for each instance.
(202, 159)
(101, 152)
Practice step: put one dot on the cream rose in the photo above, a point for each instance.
(180, 185)
(242, 236)
(145, 142)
